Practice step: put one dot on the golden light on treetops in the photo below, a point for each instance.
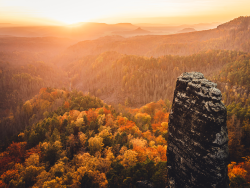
(111, 11)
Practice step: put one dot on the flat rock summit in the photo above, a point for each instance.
(198, 140)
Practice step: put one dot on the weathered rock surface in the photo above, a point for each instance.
(198, 141)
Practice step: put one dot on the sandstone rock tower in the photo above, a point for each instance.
(198, 141)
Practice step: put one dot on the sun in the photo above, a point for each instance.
(70, 18)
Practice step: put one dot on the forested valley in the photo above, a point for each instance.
(95, 113)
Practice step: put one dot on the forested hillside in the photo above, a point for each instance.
(95, 114)
(25, 68)
(87, 143)
(22, 80)
(137, 80)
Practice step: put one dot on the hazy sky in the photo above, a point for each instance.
(113, 11)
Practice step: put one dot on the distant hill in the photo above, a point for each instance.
(93, 30)
(79, 31)
(186, 30)
(163, 29)
(138, 31)
(159, 45)
(242, 22)
(126, 25)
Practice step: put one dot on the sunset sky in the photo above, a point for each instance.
(115, 11)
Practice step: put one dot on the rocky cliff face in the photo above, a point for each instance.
(198, 141)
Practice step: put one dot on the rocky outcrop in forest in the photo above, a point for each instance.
(198, 140)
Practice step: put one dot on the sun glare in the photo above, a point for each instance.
(69, 18)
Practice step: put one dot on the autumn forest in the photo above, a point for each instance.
(93, 112)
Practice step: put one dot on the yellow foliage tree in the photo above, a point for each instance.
(32, 160)
(95, 144)
(27, 107)
(82, 138)
(129, 158)
(143, 121)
